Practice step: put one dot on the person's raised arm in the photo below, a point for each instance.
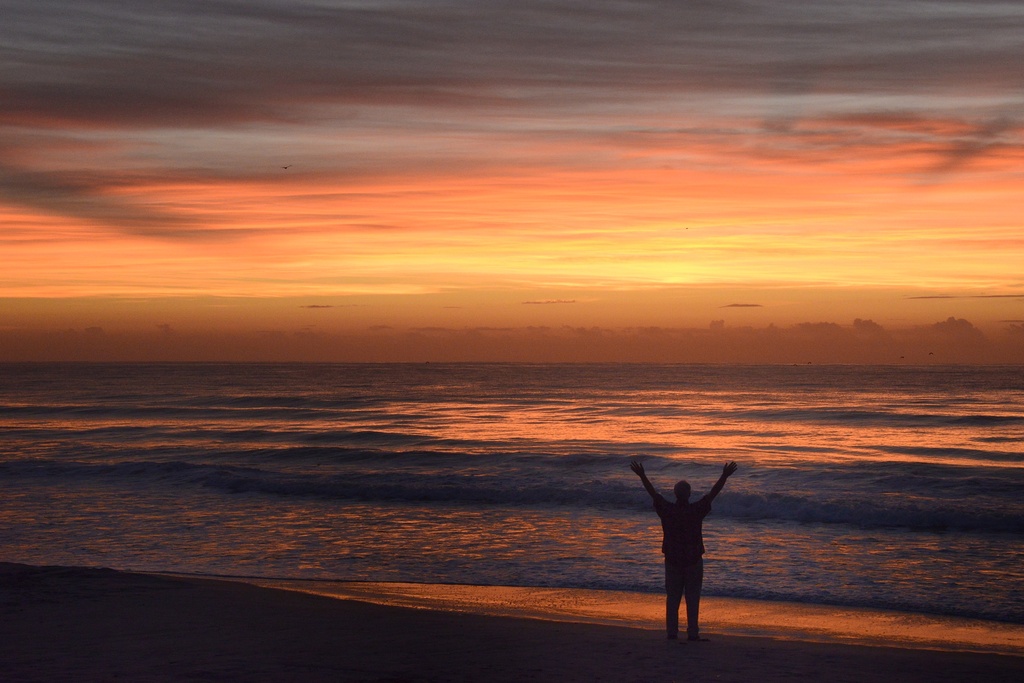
(638, 467)
(717, 488)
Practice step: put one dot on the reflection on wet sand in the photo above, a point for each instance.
(791, 621)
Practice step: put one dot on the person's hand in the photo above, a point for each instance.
(637, 467)
(729, 469)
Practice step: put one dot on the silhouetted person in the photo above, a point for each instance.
(683, 546)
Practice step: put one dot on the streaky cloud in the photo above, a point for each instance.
(967, 296)
(211, 63)
(85, 196)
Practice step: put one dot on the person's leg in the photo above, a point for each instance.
(673, 595)
(693, 579)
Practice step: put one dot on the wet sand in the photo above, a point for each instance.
(781, 620)
(70, 624)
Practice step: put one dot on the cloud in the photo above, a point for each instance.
(90, 196)
(951, 140)
(867, 327)
(956, 327)
(548, 302)
(969, 296)
(985, 139)
(235, 86)
(742, 306)
(151, 63)
(949, 341)
(326, 306)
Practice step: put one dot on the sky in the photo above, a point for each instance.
(704, 181)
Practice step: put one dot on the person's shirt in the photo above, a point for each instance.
(683, 537)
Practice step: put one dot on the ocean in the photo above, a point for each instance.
(899, 488)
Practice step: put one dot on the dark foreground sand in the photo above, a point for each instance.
(64, 624)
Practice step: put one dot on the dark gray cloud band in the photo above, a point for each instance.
(152, 62)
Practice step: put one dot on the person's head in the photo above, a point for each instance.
(682, 491)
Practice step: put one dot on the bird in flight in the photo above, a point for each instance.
(287, 167)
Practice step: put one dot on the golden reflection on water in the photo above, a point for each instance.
(701, 425)
(495, 535)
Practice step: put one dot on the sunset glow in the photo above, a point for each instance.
(365, 172)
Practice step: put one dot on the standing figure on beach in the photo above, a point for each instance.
(683, 547)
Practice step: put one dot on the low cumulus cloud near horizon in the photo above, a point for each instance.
(950, 341)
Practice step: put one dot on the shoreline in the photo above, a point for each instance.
(727, 616)
(66, 623)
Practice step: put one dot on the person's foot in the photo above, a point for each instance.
(673, 636)
(698, 639)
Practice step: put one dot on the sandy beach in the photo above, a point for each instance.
(63, 624)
